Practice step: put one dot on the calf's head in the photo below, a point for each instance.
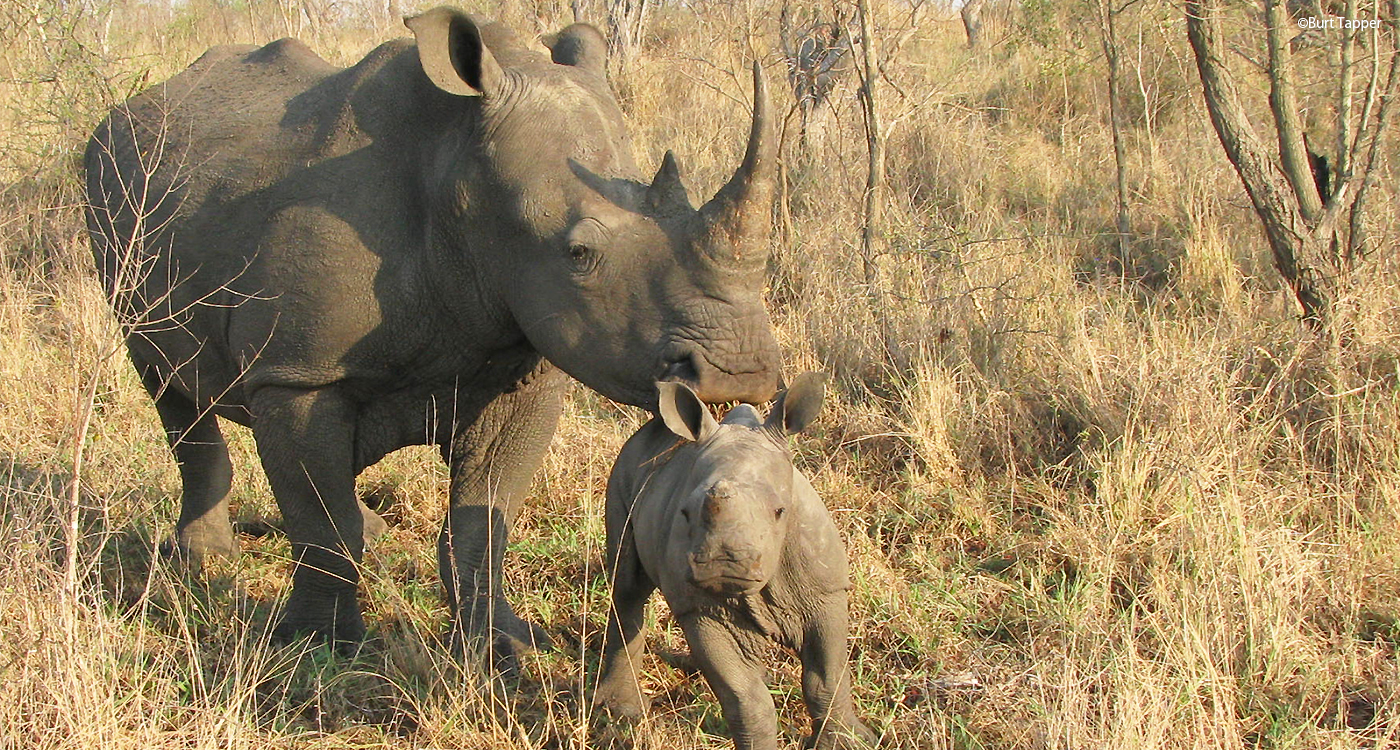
(617, 280)
(736, 504)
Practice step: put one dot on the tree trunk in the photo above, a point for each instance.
(972, 22)
(1283, 102)
(1344, 104)
(1115, 117)
(871, 236)
(1298, 255)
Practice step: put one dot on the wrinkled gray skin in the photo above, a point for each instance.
(403, 252)
(744, 551)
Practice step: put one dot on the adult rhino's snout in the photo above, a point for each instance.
(749, 376)
(724, 347)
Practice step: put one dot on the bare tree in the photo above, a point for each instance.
(971, 13)
(872, 229)
(1108, 36)
(819, 54)
(1313, 249)
(870, 69)
(626, 23)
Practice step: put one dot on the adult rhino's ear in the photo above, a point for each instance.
(452, 52)
(798, 405)
(684, 413)
(580, 45)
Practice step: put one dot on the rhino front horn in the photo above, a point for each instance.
(717, 499)
(736, 220)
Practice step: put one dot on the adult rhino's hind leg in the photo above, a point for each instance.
(491, 462)
(205, 472)
(306, 442)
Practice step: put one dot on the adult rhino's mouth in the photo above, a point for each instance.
(714, 382)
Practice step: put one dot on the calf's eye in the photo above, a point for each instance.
(778, 514)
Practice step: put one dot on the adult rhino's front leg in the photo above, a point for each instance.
(491, 463)
(305, 439)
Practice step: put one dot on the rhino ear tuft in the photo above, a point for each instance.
(684, 413)
(452, 52)
(580, 45)
(798, 405)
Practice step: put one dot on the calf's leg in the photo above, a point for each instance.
(737, 679)
(826, 680)
(618, 689)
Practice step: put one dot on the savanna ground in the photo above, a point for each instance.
(1091, 499)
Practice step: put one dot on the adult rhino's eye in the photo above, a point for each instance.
(685, 513)
(582, 258)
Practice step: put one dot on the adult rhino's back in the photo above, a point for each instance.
(218, 119)
(239, 119)
(253, 200)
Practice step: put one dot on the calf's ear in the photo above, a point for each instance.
(798, 405)
(684, 413)
(452, 52)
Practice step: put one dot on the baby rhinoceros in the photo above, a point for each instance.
(744, 551)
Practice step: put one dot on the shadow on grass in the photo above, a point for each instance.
(196, 641)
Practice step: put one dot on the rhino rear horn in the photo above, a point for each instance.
(452, 53)
(736, 220)
(667, 192)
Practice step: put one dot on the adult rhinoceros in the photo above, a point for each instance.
(401, 253)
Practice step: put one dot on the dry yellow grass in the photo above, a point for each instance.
(1090, 501)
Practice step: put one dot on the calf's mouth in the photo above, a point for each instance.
(725, 578)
